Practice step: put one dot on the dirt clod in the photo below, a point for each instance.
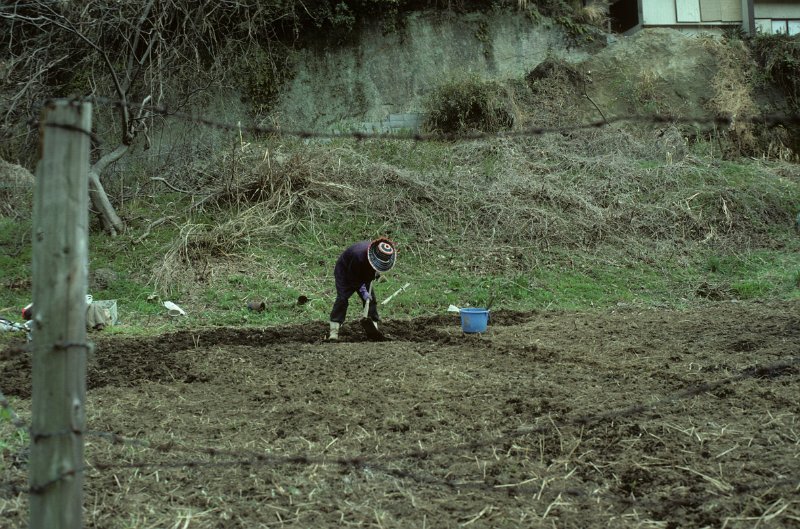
(625, 418)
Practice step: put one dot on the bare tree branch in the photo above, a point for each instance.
(136, 36)
(14, 100)
(151, 50)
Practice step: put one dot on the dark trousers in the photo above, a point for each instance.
(343, 293)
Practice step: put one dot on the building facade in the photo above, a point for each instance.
(766, 16)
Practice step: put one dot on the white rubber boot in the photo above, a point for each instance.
(334, 334)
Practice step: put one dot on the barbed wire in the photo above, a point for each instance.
(768, 120)
(241, 458)
(770, 371)
(237, 458)
(250, 460)
(522, 488)
(358, 464)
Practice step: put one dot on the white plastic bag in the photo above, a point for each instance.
(173, 309)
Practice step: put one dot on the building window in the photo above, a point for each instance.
(785, 27)
(708, 10)
(687, 10)
(720, 10)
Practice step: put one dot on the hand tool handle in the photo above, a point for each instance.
(366, 304)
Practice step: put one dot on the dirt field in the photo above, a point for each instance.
(626, 418)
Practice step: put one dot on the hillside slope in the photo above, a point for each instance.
(581, 218)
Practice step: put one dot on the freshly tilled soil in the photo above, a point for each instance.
(625, 418)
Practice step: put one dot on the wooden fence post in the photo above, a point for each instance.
(60, 247)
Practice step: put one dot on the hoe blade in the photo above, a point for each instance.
(372, 331)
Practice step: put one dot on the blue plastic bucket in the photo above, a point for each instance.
(474, 320)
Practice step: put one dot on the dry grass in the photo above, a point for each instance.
(594, 14)
(581, 191)
(733, 95)
(265, 197)
(16, 190)
(646, 88)
(556, 97)
(629, 418)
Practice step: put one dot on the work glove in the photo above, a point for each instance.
(364, 292)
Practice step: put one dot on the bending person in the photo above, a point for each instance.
(356, 268)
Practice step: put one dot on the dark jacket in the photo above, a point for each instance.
(352, 267)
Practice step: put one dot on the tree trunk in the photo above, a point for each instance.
(111, 222)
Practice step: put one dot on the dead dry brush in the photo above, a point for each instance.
(257, 196)
(505, 197)
(733, 95)
(16, 190)
(580, 193)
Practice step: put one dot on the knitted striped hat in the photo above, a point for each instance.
(381, 255)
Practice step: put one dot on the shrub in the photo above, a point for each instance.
(779, 56)
(463, 105)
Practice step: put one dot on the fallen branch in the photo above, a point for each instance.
(162, 180)
(401, 289)
(151, 226)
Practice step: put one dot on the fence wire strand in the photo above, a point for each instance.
(242, 459)
(768, 120)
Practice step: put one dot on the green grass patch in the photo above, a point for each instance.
(15, 267)
(759, 274)
(13, 439)
(526, 225)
